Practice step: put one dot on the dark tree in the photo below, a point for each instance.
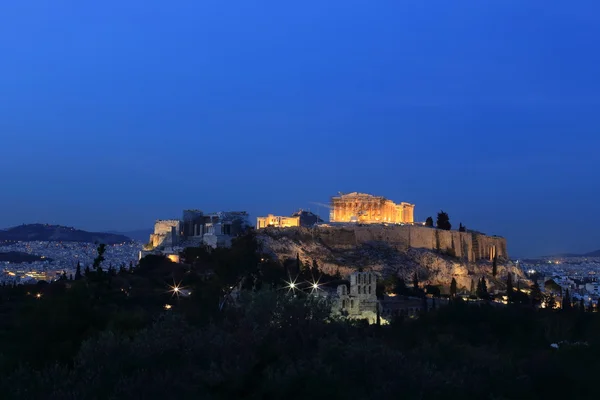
(130, 266)
(581, 305)
(494, 267)
(78, 272)
(536, 294)
(461, 228)
(399, 286)
(429, 222)
(315, 269)
(97, 265)
(299, 265)
(472, 286)
(337, 275)
(87, 271)
(443, 221)
(70, 277)
(482, 291)
(566, 301)
(453, 288)
(415, 281)
(509, 287)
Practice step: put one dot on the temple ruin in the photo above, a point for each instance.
(368, 209)
(277, 221)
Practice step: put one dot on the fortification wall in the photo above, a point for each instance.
(468, 245)
(163, 226)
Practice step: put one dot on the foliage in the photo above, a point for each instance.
(429, 222)
(566, 301)
(113, 338)
(443, 221)
(509, 287)
(482, 291)
(536, 294)
(453, 288)
(462, 228)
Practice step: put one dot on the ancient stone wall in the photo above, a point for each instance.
(467, 245)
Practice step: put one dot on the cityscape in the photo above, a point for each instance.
(290, 200)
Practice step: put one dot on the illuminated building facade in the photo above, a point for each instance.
(277, 222)
(368, 209)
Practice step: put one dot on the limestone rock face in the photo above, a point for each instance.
(394, 250)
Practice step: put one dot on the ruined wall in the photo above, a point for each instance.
(163, 226)
(468, 245)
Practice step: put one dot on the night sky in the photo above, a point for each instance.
(115, 113)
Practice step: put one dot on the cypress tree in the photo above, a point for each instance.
(415, 281)
(482, 291)
(87, 271)
(566, 303)
(338, 275)
(130, 266)
(509, 287)
(453, 288)
(315, 268)
(581, 305)
(473, 286)
(298, 263)
(494, 267)
(78, 271)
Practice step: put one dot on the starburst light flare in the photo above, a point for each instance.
(291, 285)
(314, 286)
(175, 289)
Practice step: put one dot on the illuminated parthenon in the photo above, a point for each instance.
(368, 209)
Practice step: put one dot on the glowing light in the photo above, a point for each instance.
(168, 306)
(39, 295)
(291, 285)
(314, 286)
(175, 289)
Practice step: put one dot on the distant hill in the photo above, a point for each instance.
(58, 233)
(567, 255)
(140, 235)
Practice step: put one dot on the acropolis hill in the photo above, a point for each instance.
(437, 255)
(374, 233)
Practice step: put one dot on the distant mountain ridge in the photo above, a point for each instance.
(58, 233)
(590, 254)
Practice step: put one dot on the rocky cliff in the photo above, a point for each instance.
(437, 256)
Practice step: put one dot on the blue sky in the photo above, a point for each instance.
(115, 113)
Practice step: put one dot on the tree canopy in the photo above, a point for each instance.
(443, 221)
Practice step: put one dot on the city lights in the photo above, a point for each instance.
(175, 289)
(291, 285)
(314, 286)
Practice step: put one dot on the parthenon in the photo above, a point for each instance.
(368, 209)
